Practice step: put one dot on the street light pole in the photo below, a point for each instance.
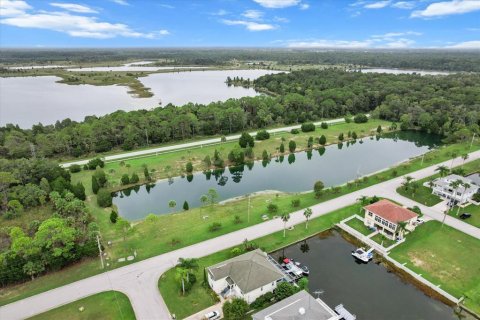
(471, 143)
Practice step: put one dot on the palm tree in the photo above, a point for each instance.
(172, 204)
(442, 170)
(402, 227)
(431, 184)
(406, 182)
(285, 218)
(464, 157)
(454, 155)
(415, 185)
(180, 274)
(307, 213)
(455, 185)
(465, 186)
(363, 200)
(188, 264)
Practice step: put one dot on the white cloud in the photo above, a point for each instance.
(253, 14)
(304, 6)
(167, 6)
(121, 2)
(466, 45)
(20, 14)
(387, 40)
(250, 25)
(220, 12)
(276, 4)
(445, 8)
(322, 43)
(281, 19)
(404, 5)
(377, 4)
(73, 7)
(12, 7)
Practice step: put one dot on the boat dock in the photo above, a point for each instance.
(344, 313)
(288, 277)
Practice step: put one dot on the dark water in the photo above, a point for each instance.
(334, 165)
(366, 290)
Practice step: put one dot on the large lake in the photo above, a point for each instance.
(29, 100)
(295, 173)
(367, 290)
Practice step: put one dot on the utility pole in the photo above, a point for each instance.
(471, 143)
(423, 156)
(146, 135)
(100, 251)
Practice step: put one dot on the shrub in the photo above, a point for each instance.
(261, 301)
(215, 227)
(318, 188)
(354, 135)
(113, 216)
(75, 168)
(282, 148)
(296, 203)
(476, 197)
(262, 135)
(272, 208)
(307, 127)
(79, 191)
(322, 140)
(134, 178)
(237, 220)
(324, 125)
(125, 179)
(265, 155)
(341, 137)
(235, 252)
(236, 309)
(360, 118)
(189, 167)
(284, 290)
(246, 140)
(348, 119)
(104, 198)
(94, 163)
(294, 131)
(292, 145)
(185, 205)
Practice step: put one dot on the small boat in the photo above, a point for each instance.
(362, 254)
(292, 268)
(305, 270)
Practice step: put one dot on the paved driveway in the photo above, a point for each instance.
(139, 280)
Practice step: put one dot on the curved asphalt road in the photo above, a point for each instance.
(139, 280)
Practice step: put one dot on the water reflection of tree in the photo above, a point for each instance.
(321, 151)
(309, 154)
(250, 165)
(208, 174)
(222, 181)
(190, 177)
(340, 145)
(291, 158)
(304, 247)
(265, 163)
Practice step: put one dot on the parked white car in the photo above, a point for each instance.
(212, 315)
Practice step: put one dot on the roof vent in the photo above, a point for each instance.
(301, 311)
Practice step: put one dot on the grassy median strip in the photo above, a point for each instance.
(105, 305)
(200, 298)
(444, 256)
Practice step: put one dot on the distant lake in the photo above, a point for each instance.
(334, 165)
(404, 71)
(29, 100)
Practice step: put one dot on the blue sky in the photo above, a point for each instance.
(240, 23)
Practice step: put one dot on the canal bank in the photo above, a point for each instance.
(371, 291)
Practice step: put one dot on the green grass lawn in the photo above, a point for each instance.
(446, 257)
(358, 225)
(423, 195)
(474, 210)
(200, 298)
(106, 305)
(382, 240)
(150, 240)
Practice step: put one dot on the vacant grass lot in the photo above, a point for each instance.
(109, 305)
(200, 298)
(473, 210)
(150, 241)
(446, 257)
(422, 195)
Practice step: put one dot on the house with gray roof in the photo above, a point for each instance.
(300, 306)
(247, 276)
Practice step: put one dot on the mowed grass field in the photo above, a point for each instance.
(444, 256)
(109, 305)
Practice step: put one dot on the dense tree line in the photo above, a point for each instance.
(445, 105)
(450, 60)
(62, 237)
